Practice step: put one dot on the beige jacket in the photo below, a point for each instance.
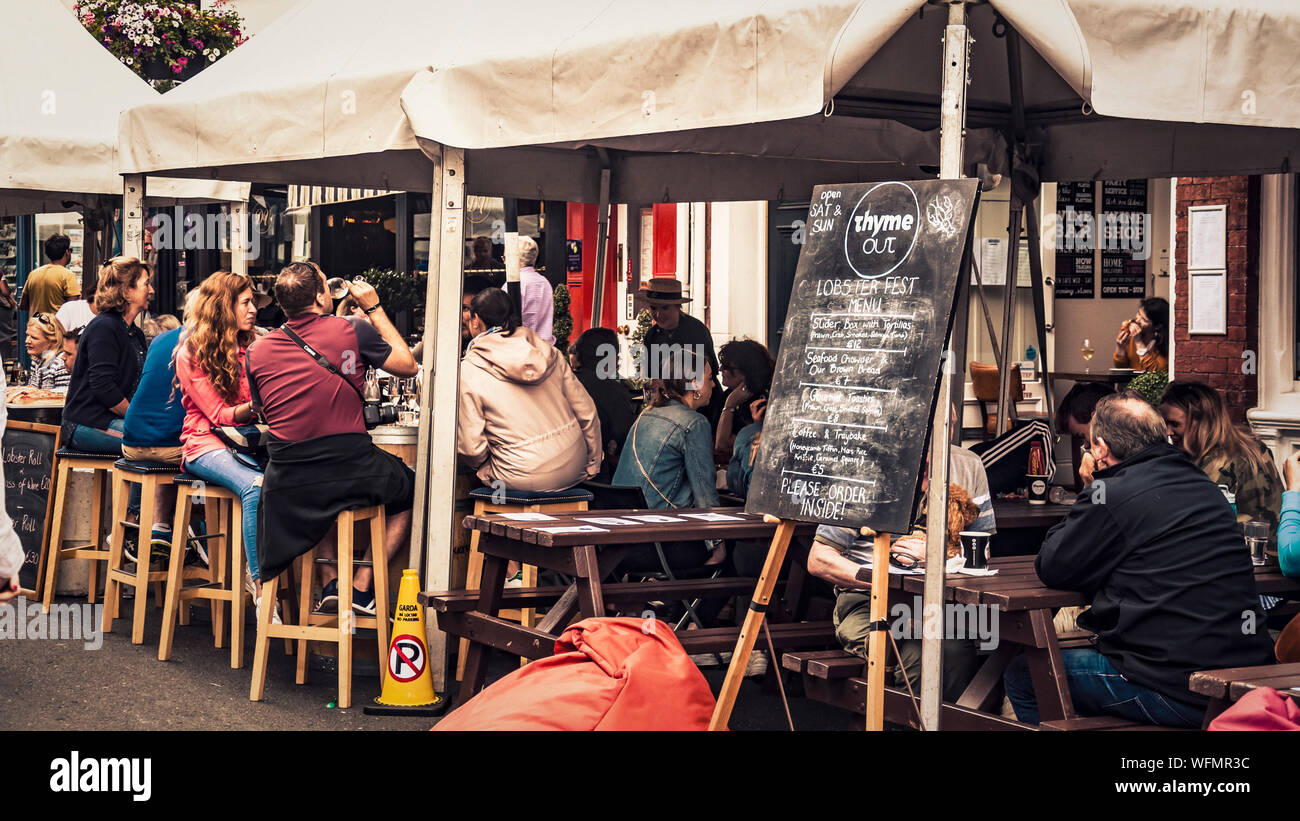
(524, 418)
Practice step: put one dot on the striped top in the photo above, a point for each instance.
(50, 374)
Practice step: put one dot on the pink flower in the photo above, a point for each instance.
(176, 69)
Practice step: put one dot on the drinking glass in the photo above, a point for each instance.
(1256, 534)
(1086, 351)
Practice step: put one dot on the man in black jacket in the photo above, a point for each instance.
(674, 327)
(1155, 546)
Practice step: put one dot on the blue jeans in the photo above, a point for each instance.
(224, 468)
(1097, 688)
(94, 440)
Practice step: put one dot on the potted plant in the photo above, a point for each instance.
(163, 41)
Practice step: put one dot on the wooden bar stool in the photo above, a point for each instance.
(331, 627)
(487, 500)
(149, 475)
(100, 466)
(224, 583)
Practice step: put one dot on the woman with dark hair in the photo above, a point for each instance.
(524, 419)
(110, 358)
(594, 358)
(1143, 341)
(214, 383)
(1198, 422)
(746, 369)
(669, 451)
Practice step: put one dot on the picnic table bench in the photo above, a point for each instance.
(1223, 687)
(1024, 607)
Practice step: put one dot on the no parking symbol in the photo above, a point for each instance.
(406, 658)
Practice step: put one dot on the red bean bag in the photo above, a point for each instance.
(1261, 709)
(606, 674)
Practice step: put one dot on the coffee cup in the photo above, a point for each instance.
(1038, 487)
(975, 548)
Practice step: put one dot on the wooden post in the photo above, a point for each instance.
(753, 621)
(876, 644)
(434, 515)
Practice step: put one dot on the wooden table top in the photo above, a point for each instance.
(1018, 513)
(654, 526)
(1016, 586)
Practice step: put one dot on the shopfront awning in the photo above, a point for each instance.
(736, 99)
(59, 105)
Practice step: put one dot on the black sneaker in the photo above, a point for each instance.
(196, 553)
(160, 548)
(363, 602)
(128, 547)
(329, 597)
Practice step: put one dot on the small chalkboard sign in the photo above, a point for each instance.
(28, 470)
(851, 403)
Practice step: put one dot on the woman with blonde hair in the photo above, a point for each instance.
(210, 372)
(110, 358)
(45, 347)
(1197, 420)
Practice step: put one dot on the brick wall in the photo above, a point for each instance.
(1217, 359)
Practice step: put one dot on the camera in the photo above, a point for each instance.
(375, 413)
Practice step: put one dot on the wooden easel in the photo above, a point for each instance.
(758, 610)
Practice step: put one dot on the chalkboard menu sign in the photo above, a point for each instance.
(28, 460)
(1125, 239)
(851, 403)
(1075, 240)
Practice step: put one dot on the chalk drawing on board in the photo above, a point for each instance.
(869, 248)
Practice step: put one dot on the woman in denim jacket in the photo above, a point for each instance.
(669, 451)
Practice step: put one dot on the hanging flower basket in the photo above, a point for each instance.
(165, 41)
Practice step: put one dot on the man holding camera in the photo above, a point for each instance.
(308, 377)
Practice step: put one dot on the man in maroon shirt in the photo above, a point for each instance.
(322, 460)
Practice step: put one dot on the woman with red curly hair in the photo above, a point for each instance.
(211, 375)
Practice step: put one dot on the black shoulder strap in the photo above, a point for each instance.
(320, 360)
(252, 387)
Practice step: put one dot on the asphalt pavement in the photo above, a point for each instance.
(50, 684)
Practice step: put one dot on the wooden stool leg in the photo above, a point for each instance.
(261, 650)
(379, 552)
(473, 576)
(346, 537)
(55, 543)
(98, 480)
(175, 573)
(141, 600)
(306, 572)
(234, 540)
(112, 588)
(215, 517)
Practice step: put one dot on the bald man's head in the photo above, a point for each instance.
(297, 287)
(1126, 423)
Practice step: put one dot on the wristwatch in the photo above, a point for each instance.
(372, 309)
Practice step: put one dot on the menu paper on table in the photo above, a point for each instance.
(528, 517)
(609, 521)
(857, 377)
(573, 529)
(713, 517)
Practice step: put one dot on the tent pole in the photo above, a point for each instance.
(435, 477)
(602, 234)
(1040, 308)
(132, 215)
(1008, 315)
(238, 239)
(956, 66)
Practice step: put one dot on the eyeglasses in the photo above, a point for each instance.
(44, 319)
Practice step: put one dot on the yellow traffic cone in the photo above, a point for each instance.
(408, 687)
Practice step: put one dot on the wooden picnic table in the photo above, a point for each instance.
(1025, 607)
(1018, 513)
(589, 558)
(1223, 687)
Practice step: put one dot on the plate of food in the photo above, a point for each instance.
(27, 397)
(1121, 371)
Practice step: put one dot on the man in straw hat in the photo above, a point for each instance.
(673, 327)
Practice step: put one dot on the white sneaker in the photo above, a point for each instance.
(757, 665)
(275, 614)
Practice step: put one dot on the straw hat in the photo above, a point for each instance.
(664, 291)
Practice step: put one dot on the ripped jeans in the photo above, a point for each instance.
(228, 470)
(1097, 688)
